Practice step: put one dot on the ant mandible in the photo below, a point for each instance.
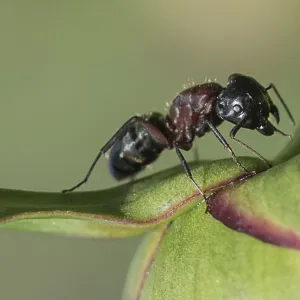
(194, 112)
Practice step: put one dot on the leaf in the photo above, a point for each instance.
(200, 258)
(127, 210)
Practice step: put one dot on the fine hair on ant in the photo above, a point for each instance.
(192, 113)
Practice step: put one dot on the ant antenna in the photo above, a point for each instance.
(272, 86)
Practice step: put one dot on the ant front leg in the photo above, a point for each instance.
(234, 131)
(118, 135)
(188, 172)
(222, 140)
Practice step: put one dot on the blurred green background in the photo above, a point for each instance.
(73, 71)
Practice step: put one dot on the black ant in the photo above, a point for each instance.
(194, 112)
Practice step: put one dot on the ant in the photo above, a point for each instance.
(194, 112)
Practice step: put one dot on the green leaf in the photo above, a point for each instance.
(200, 258)
(127, 210)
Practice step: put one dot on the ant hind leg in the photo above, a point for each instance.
(119, 134)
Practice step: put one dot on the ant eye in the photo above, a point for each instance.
(237, 108)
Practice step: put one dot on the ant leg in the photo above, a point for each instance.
(234, 131)
(272, 86)
(188, 171)
(119, 134)
(221, 139)
(283, 133)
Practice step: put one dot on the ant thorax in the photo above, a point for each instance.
(189, 110)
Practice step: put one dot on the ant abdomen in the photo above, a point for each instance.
(139, 147)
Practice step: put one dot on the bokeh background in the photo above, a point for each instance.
(73, 71)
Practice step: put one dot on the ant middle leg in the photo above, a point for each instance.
(188, 172)
(222, 140)
(119, 134)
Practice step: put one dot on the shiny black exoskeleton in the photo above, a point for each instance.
(142, 143)
(194, 112)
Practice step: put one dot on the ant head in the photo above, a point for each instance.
(234, 105)
(241, 80)
(244, 99)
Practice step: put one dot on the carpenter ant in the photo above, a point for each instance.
(194, 112)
